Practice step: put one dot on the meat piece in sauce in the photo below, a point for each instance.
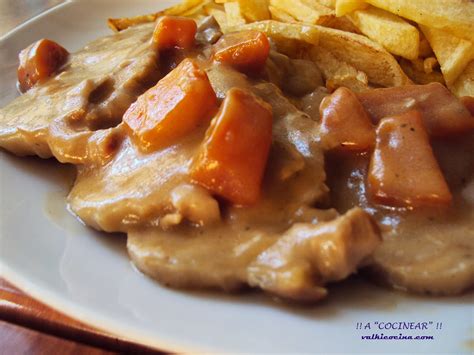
(294, 264)
(140, 197)
(94, 89)
(443, 114)
(426, 250)
(130, 191)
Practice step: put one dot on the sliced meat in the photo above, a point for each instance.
(294, 264)
(306, 257)
(133, 188)
(310, 103)
(428, 250)
(304, 77)
(92, 92)
(437, 258)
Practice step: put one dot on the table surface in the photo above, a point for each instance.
(26, 325)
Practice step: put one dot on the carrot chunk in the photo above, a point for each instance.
(246, 51)
(345, 126)
(403, 170)
(39, 61)
(232, 159)
(171, 109)
(174, 32)
(443, 114)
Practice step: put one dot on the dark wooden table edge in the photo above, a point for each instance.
(76, 330)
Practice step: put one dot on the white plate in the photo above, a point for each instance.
(88, 276)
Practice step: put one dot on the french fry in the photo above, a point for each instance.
(338, 73)
(344, 7)
(120, 24)
(464, 85)
(182, 7)
(454, 16)
(220, 17)
(281, 15)
(393, 33)
(255, 10)
(280, 30)
(453, 53)
(252, 10)
(197, 10)
(233, 14)
(341, 23)
(328, 3)
(304, 10)
(364, 54)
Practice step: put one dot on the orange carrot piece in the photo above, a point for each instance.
(232, 159)
(39, 61)
(171, 109)
(246, 51)
(345, 126)
(403, 170)
(174, 32)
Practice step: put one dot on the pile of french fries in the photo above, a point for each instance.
(356, 43)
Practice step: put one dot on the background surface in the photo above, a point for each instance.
(14, 12)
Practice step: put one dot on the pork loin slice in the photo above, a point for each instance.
(93, 91)
(135, 189)
(432, 251)
(425, 250)
(132, 188)
(294, 264)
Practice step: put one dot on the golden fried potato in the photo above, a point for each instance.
(344, 7)
(464, 85)
(453, 53)
(185, 8)
(255, 10)
(252, 10)
(454, 16)
(233, 14)
(280, 30)
(364, 54)
(197, 10)
(119, 24)
(328, 3)
(337, 72)
(392, 32)
(219, 15)
(308, 11)
(281, 15)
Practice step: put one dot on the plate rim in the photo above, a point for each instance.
(90, 318)
(69, 308)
